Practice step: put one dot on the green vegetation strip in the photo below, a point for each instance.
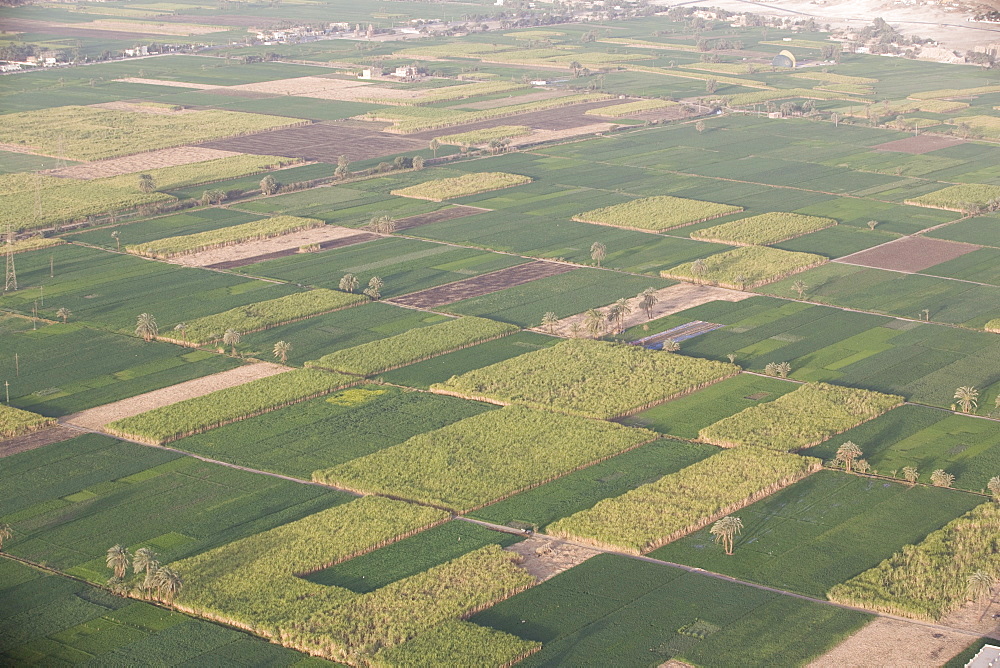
(457, 643)
(486, 135)
(413, 346)
(588, 378)
(762, 96)
(226, 236)
(616, 110)
(485, 458)
(745, 268)
(964, 197)
(653, 515)
(267, 314)
(449, 93)
(767, 228)
(15, 422)
(954, 92)
(929, 580)
(801, 419)
(830, 77)
(462, 186)
(657, 213)
(193, 416)
(34, 243)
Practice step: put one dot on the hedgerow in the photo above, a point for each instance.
(484, 458)
(588, 378)
(267, 314)
(806, 417)
(456, 643)
(16, 422)
(745, 268)
(930, 579)
(767, 228)
(227, 236)
(462, 186)
(193, 416)
(34, 243)
(657, 213)
(655, 514)
(412, 346)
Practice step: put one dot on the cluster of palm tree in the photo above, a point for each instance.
(779, 369)
(350, 283)
(381, 224)
(146, 327)
(940, 478)
(849, 455)
(164, 581)
(6, 533)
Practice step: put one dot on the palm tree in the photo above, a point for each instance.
(698, 267)
(574, 330)
(941, 479)
(146, 183)
(725, 530)
(167, 582)
(595, 322)
(144, 561)
(800, 288)
(349, 283)
(993, 485)
(847, 453)
(434, 145)
(231, 338)
(741, 280)
(374, 289)
(6, 533)
(670, 346)
(117, 586)
(783, 369)
(980, 586)
(968, 398)
(910, 474)
(862, 466)
(281, 350)
(269, 185)
(549, 321)
(731, 357)
(624, 310)
(145, 326)
(182, 327)
(384, 224)
(117, 236)
(63, 313)
(647, 300)
(598, 252)
(118, 560)
(612, 314)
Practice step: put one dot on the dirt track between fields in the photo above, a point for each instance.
(97, 417)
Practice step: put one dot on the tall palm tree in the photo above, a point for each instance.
(911, 474)
(64, 313)
(146, 327)
(698, 267)
(146, 183)
(595, 322)
(549, 321)
(980, 586)
(670, 346)
(145, 561)
(800, 288)
(598, 252)
(647, 300)
(231, 338)
(182, 327)
(6, 533)
(281, 350)
(993, 485)
(349, 283)
(167, 582)
(725, 530)
(939, 478)
(117, 236)
(374, 289)
(967, 398)
(622, 311)
(383, 224)
(847, 453)
(118, 560)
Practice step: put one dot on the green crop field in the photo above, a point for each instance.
(601, 613)
(189, 222)
(69, 502)
(48, 619)
(818, 532)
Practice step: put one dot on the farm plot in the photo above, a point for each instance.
(598, 614)
(70, 501)
(268, 228)
(677, 504)
(314, 240)
(918, 145)
(36, 439)
(299, 439)
(813, 413)
(745, 267)
(462, 186)
(449, 213)
(482, 285)
(818, 532)
(16, 422)
(982, 230)
(168, 157)
(910, 254)
(980, 266)
(657, 214)
(959, 198)
(588, 378)
(762, 230)
(485, 458)
(49, 619)
(153, 229)
(324, 88)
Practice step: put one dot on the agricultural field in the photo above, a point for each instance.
(657, 214)
(259, 229)
(745, 268)
(462, 186)
(190, 222)
(763, 230)
(17, 422)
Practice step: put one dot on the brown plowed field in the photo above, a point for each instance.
(37, 439)
(450, 213)
(909, 254)
(561, 118)
(324, 142)
(325, 245)
(482, 285)
(919, 144)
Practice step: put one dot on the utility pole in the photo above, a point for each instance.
(10, 283)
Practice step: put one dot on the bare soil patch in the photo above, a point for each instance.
(146, 27)
(516, 99)
(918, 145)
(36, 439)
(449, 213)
(545, 558)
(909, 254)
(97, 417)
(323, 88)
(669, 300)
(560, 118)
(166, 82)
(482, 285)
(286, 244)
(323, 142)
(71, 30)
(168, 157)
(889, 642)
(539, 136)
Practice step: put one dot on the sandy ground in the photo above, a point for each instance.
(99, 416)
(264, 246)
(552, 135)
(670, 300)
(168, 157)
(36, 439)
(146, 28)
(165, 82)
(545, 557)
(327, 89)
